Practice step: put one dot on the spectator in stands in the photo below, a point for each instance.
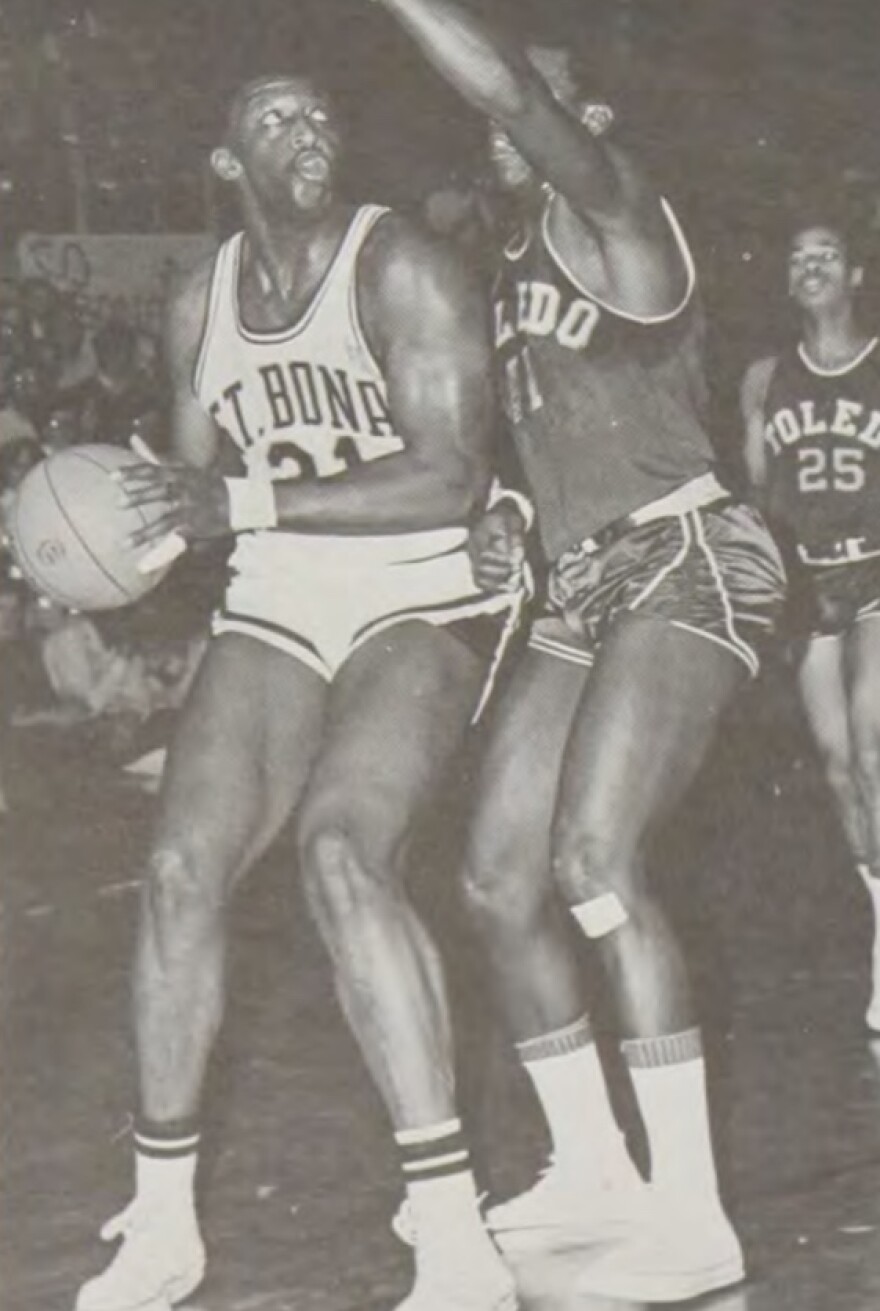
(75, 344)
(16, 424)
(12, 322)
(39, 301)
(120, 398)
(63, 426)
(16, 458)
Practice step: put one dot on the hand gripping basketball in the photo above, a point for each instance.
(166, 551)
(180, 502)
(72, 534)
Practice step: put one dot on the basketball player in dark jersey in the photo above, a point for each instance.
(334, 362)
(659, 588)
(813, 452)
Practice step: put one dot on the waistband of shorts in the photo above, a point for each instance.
(694, 495)
(848, 550)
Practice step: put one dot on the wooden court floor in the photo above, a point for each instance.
(299, 1180)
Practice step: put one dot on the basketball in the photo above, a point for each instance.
(69, 530)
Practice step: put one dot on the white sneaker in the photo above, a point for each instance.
(676, 1255)
(562, 1211)
(159, 1263)
(462, 1287)
(403, 1222)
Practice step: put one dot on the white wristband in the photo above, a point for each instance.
(251, 504)
(498, 495)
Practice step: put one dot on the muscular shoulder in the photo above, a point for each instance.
(756, 383)
(407, 273)
(188, 304)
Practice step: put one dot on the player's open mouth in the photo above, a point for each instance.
(313, 165)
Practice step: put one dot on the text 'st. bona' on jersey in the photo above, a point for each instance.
(607, 408)
(822, 443)
(308, 400)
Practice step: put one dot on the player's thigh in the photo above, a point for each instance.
(864, 657)
(397, 715)
(243, 750)
(508, 843)
(642, 729)
(822, 683)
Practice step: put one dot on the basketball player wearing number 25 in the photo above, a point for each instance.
(660, 587)
(343, 357)
(812, 418)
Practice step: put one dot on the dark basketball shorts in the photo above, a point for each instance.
(714, 571)
(827, 600)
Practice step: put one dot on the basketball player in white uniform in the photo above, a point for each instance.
(332, 361)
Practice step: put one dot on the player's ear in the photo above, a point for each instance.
(225, 164)
(856, 276)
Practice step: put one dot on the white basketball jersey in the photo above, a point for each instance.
(308, 400)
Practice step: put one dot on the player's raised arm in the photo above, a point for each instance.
(426, 322)
(495, 76)
(597, 184)
(753, 393)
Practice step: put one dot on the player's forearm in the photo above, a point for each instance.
(485, 66)
(394, 495)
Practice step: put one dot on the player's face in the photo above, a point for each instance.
(819, 273)
(285, 137)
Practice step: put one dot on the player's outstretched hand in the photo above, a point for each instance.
(195, 502)
(497, 549)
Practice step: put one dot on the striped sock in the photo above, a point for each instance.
(166, 1154)
(436, 1165)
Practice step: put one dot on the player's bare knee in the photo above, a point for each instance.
(181, 880)
(839, 773)
(500, 890)
(596, 876)
(343, 871)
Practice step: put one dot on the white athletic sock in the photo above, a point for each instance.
(165, 1167)
(567, 1075)
(669, 1078)
(440, 1185)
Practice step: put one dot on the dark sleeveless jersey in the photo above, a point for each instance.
(607, 409)
(822, 441)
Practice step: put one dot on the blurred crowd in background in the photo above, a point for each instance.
(63, 383)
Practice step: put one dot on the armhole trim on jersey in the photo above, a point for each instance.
(517, 245)
(835, 373)
(773, 363)
(646, 319)
(361, 218)
(371, 216)
(212, 314)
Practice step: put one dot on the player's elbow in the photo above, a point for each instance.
(461, 490)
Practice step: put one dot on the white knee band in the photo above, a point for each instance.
(601, 916)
